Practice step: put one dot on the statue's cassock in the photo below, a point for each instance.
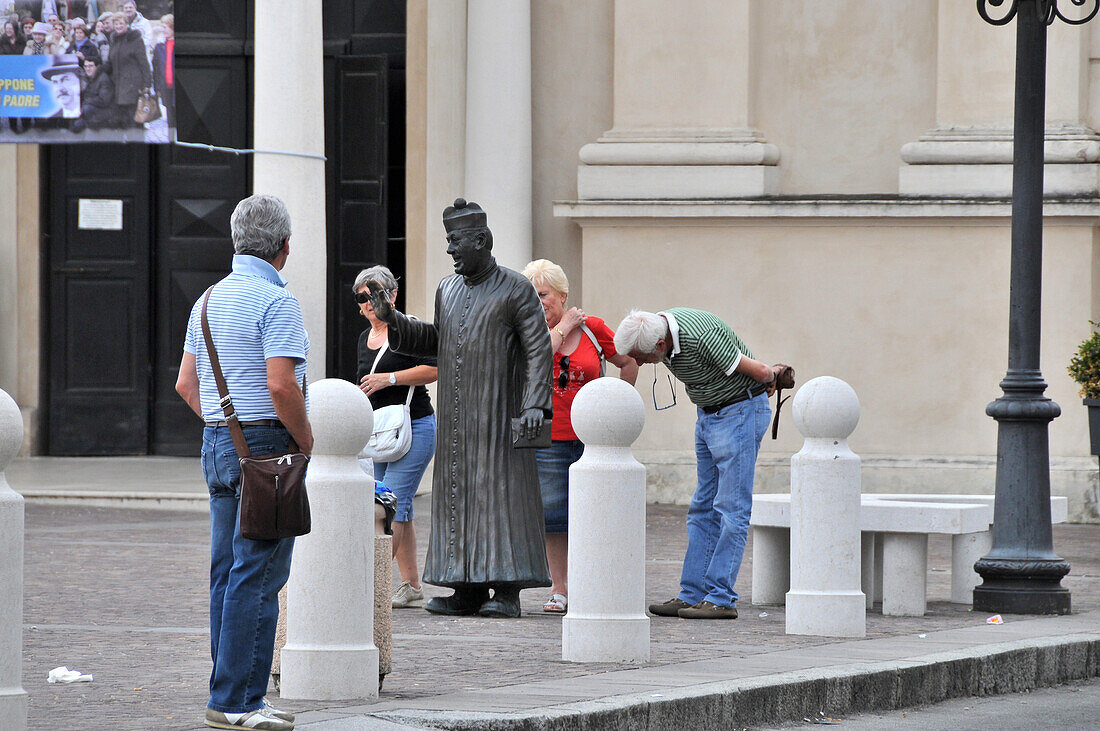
(494, 356)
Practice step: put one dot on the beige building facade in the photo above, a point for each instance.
(833, 179)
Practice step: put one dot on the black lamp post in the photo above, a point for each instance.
(1021, 573)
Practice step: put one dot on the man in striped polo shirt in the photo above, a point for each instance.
(261, 343)
(730, 389)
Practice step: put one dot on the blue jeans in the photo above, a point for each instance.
(726, 445)
(245, 577)
(403, 476)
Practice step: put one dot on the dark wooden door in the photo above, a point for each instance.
(197, 193)
(357, 214)
(97, 299)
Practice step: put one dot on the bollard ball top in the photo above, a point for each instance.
(11, 430)
(341, 417)
(826, 408)
(608, 412)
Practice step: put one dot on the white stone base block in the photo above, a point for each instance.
(994, 181)
(587, 639)
(771, 564)
(905, 564)
(329, 674)
(967, 548)
(675, 182)
(827, 614)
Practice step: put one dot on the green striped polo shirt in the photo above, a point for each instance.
(705, 353)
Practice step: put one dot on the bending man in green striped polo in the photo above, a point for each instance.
(730, 389)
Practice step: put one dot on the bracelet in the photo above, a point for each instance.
(559, 332)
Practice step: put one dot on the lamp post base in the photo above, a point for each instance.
(1022, 586)
(1022, 597)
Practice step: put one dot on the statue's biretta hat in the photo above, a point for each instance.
(463, 214)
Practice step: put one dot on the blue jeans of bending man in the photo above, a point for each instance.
(726, 445)
(245, 577)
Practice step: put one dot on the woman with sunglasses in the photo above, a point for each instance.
(581, 342)
(386, 385)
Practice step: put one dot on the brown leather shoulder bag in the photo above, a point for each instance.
(274, 503)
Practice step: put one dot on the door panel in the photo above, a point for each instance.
(357, 231)
(198, 192)
(98, 302)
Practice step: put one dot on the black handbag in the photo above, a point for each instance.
(274, 503)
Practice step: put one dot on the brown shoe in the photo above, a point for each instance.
(707, 610)
(669, 608)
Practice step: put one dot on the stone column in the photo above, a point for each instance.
(498, 122)
(771, 564)
(868, 570)
(330, 652)
(13, 699)
(606, 621)
(684, 107)
(825, 597)
(966, 549)
(289, 117)
(969, 151)
(9, 271)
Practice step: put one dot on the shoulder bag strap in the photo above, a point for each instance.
(223, 390)
(599, 349)
(381, 349)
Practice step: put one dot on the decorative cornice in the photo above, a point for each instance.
(974, 210)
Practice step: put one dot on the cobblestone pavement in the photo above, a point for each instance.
(121, 594)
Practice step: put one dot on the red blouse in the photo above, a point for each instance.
(583, 366)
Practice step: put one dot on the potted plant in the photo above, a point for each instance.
(1085, 369)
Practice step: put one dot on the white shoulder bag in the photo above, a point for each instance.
(392, 435)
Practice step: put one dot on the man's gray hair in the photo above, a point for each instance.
(639, 332)
(259, 226)
(380, 274)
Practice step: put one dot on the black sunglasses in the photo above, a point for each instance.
(364, 297)
(563, 376)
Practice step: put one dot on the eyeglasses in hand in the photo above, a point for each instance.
(671, 388)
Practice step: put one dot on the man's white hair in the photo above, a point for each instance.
(639, 332)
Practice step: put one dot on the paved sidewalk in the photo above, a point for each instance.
(121, 594)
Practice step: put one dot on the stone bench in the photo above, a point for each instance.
(895, 530)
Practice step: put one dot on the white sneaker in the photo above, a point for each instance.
(258, 719)
(273, 711)
(408, 597)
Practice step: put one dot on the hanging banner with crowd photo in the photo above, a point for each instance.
(87, 71)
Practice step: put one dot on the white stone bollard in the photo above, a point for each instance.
(13, 699)
(606, 621)
(330, 652)
(825, 597)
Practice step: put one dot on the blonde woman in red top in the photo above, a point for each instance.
(580, 342)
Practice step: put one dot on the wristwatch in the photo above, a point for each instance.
(393, 379)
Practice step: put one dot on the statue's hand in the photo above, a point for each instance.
(379, 300)
(530, 423)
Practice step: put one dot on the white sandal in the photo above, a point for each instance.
(556, 604)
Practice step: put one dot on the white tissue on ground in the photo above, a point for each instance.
(64, 675)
